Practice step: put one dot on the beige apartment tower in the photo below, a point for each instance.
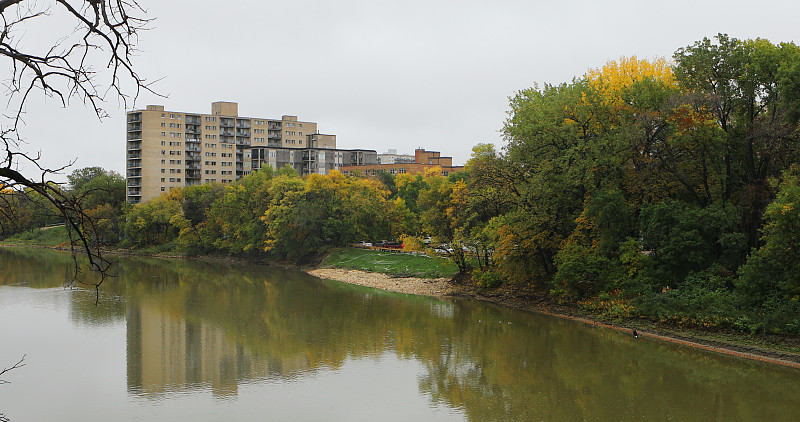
(168, 149)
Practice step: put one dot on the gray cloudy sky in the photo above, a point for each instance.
(386, 74)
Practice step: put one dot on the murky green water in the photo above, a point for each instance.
(189, 341)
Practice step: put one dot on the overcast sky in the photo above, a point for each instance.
(386, 74)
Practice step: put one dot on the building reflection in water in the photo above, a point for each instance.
(168, 354)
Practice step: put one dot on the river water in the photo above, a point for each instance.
(177, 340)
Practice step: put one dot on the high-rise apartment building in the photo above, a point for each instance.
(168, 149)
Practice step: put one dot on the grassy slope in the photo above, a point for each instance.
(44, 237)
(390, 263)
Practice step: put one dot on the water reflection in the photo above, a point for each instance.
(193, 326)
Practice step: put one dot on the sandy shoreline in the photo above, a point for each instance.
(416, 286)
(441, 287)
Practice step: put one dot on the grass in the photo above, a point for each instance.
(53, 236)
(390, 263)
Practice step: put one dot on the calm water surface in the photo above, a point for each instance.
(191, 341)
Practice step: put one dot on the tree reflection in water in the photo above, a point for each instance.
(205, 326)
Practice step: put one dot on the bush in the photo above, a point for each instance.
(487, 279)
(703, 300)
(609, 305)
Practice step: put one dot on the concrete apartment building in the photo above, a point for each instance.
(423, 160)
(169, 149)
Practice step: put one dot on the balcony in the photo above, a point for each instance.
(134, 156)
(134, 192)
(134, 164)
(225, 122)
(134, 136)
(134, 173)
(134, 117)
(242, 132)
(243, 124)
(193, 120)
(192, 167)
(274, 136)
(137, 183)
(134, 126)
(226, 132)
(273, 126)
(192, 148)
(192, 140)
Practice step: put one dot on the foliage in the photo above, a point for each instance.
(644, 188)
(487, 279)
(610, 304)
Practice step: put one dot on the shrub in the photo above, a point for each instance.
(487, 279)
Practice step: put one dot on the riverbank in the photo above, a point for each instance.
(532, 302)
(780, 350)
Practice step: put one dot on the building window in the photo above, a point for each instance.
(163, 189)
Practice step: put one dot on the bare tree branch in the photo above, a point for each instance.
(105, 35)
(19, 364)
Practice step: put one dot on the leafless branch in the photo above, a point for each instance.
(105, 35)
(19, 364)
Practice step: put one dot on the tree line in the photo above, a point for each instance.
(653, 188)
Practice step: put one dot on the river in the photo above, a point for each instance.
(174, 340)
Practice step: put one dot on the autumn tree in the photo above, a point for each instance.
(746, 86)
